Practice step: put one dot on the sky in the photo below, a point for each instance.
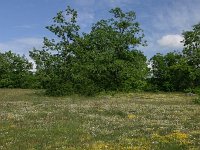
(23, 22)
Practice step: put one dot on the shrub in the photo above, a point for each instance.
(195, 90)
(197, 100)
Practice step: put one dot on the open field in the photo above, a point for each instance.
(29, 120)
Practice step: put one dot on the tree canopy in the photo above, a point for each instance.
(105, 59)
(15, 70)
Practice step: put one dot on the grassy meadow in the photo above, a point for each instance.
(132, 121)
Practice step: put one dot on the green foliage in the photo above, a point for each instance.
(179, 71)
(195, 90)
(197, 100)
(171, 72)
(192, 52)
(192, 45)
(105, 59)
(14, 71)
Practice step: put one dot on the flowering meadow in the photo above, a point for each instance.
(132, 121)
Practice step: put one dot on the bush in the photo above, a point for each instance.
(59, 88)
(14, 70)
(195, 90)
(197, 100)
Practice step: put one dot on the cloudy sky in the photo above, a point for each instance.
(22, 22)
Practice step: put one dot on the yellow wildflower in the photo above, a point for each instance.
(131, 116)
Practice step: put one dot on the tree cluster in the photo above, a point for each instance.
(105, 59)
(15, 71)
(179, 71)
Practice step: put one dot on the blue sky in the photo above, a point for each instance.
(23, 22)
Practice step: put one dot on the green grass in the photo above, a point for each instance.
(29, 120)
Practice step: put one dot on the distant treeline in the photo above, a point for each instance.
(106, 59)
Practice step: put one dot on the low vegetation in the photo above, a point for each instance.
(136, 121)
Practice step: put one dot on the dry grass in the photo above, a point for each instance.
(135, 121)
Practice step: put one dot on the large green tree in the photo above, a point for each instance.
(109, 53)
(192, 52)
(105, 59)
(54, 62)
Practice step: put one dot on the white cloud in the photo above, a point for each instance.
(21, 45)
(171, 41)
(172, 17)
